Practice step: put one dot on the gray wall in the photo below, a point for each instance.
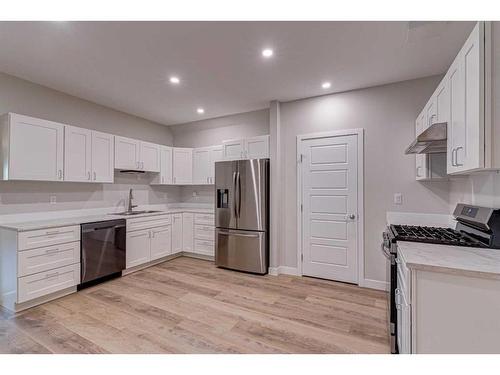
(387, 113)
(20, 96)
(214, 131)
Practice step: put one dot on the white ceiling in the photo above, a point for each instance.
(126, 65)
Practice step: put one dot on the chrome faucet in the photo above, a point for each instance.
(130, 205)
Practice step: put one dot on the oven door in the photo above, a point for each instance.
(391, 295)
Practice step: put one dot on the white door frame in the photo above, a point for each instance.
(361, 208)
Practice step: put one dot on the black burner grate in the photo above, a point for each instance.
(444, 236)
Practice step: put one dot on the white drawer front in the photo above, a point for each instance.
(204, 247)
(48, 237)
(148, 222)
(47, 258)
(43, 283)
(204, 219)
(204, 232)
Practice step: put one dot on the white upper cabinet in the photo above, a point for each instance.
(250, 148)
(88, 155)
(165, 175)
(182, 166)
(233, 149)
(32, 149)
(421, 159)
(149, 157)
(204, 159)
(136, 155)
(77, 154)
(466, 79)
(201, 165)
(127, 152)
(103, 157)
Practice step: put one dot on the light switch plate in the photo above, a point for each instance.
(398, 198)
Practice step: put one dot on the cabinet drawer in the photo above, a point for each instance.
(48, 237)
(148, 222)
(204, 247)
(204, 219)
(47, 258)
(204, 232)
(43, 283)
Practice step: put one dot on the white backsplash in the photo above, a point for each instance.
(481, 189)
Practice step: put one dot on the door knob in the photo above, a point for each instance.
(351, 216)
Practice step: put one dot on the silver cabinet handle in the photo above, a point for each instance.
(418, 168)
(59, 174)
(88, 175)
(137, 165)
(95, 176)
(142, 165)
(456, 156)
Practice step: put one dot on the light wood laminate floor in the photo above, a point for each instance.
(189, 306)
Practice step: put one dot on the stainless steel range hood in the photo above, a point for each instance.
(431, 141)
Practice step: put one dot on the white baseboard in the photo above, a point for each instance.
(275, 271)
(374, 284)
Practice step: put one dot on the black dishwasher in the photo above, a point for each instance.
(102, 251)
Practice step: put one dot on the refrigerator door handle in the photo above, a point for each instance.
(238, 234)
(239, 194)
(234, 195)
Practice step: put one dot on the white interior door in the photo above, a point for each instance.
(330, 207)
(103, 151)
(77, 154)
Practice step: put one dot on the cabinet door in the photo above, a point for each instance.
(149, 157)
(257, 147)
(77, 154)
(216, 154)
(161, 242)
(201, 165)
(176, 233)
(165, 165)
(127, 153)
(234, 149)
(103, 151)
(187, 231)
(420, 159)
(183, 166)
(466, 89)
(138, 248)
(36, 149)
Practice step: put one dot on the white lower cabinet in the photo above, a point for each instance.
(38, 265)
(187, 231)
(138, 248)
(148, 238)
(176, 233)
(204, 234)
(161, 242)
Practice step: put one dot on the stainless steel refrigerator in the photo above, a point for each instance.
(242, 215)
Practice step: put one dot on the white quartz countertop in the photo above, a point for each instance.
(467, 261)
(22, 226)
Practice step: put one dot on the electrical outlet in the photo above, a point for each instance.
(398, 198)
(53, 199)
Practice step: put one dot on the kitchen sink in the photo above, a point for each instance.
(132, 213)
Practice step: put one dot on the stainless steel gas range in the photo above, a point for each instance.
(476, 227)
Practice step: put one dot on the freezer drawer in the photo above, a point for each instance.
(242, 250)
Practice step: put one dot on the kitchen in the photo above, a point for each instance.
(269, 213)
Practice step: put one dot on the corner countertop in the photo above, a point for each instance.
(467, 261)
(23, 226)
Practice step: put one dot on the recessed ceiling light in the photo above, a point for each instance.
(200, 111)
(267, 52)
(326, 85)
(175, 80)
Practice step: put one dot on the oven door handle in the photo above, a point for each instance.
(386, 252)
